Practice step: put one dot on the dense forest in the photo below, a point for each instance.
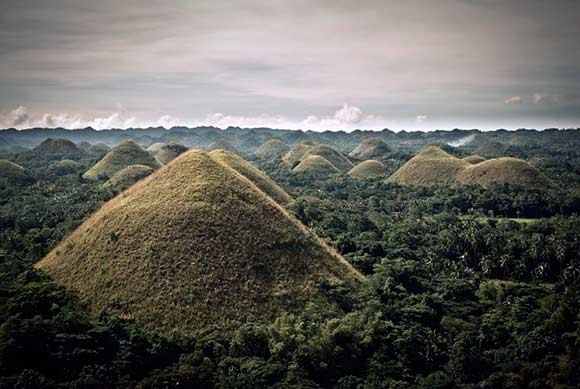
(466, 287)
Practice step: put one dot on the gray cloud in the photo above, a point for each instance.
(277, 59)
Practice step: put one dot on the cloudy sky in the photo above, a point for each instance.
(312, 64)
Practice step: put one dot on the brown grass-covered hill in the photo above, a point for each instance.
(474, 159)
(505, 170)
(54, 149)
(211, 249)
(432, 166)
(222, 144)
(296, 153)
(249, 171)
(170, 151)
(331, 155)
(272, 148)
(125, 154)
(316, 166)
(13, 174)
(126, 177)
(371, 148)
(155, 148)
(368, 168)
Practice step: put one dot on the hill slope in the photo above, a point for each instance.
(246, 169)
(316, 166)
(272, 148)
(371, 148)
(213, 248)
(331, 155)
(505, 170)
(169, 152)
(296, 153)
(13, 174)
(126, 154)
(368, 168)
(474, 159)
(57, 149)
(126, 177)
(432, 166)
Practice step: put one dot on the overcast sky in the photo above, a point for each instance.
(291, 64)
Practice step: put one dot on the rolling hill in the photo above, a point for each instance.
(213, 249)
(474, 159)
(272, 148)
(126, 177)
(368, 168)
(432, 166)
(296, 153)
(54, 149)
(331, 155)
(222, 144)
(121, 156)
(316, 166)
(13, 174)
(371, 148)
(505, 170)
(169, 152)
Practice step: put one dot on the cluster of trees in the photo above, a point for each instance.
(458, 294)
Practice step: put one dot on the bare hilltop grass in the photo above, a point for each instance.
(505, 170)
(367, 169)
(316, 166)
(432, 166)
(121, 156)
(371, 148)
(126, 177)
(168, 152)
(272, 148)
(193, 244)
(331, 155)
(296, 153)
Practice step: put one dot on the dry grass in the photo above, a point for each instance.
(126, 154)
(331, 155)
(474, 159)
(316, 166)
(195, 243)
(296, 153)
(155, 148)
(249, 171)
(505, 170)
(272, 148)
(169, 152)
(126, 177)
(371, 148)
(432, 166)
(12, 173)
(366, 169)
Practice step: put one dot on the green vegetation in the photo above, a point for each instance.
(368, 168)
(66, 166)
(466, 287)
(315, 166)
(13, 174)
(371, 148)
(233, 252)
(273, 148)
(169, 152)
(296, 153)
(127, 177)
(121, 156)
(222, 144)
(331, 155)
(474, 159)
(55, 150)
(507, 170)
(98, 150)
(432, 166)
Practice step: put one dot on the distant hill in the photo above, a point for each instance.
(296, 153)
(371, 148)
(474, 159)
(432, 166)
(246, 169)
(13, 174)
(505, 170)
(368, 168)
(496, 149)
(316, 166)
(121, 156)
(342, 163)
(126, 177)
(66, 166)
(155, 148)
(170, 151)
(272, 148)
(194, 244)
(57, 149)
(98, 150)
(221, 144)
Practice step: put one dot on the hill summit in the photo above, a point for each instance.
(54, 149)
(368, 168)
(371, 148)
(196, 243)
(121, 156)
(272, 148)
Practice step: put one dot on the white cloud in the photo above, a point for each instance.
(16, 118)
(421, 119)
(513, 100)
(538, 98)
(348, 114)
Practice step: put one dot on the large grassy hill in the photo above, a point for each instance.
(316, 166)
(57, 149)
(169, 152)
(368, 168)
(432, 166)
(193, 244)
(296, 153)
(126, 154)
(273, 148)
(371, 148)
(126, 177)
(505, 170)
